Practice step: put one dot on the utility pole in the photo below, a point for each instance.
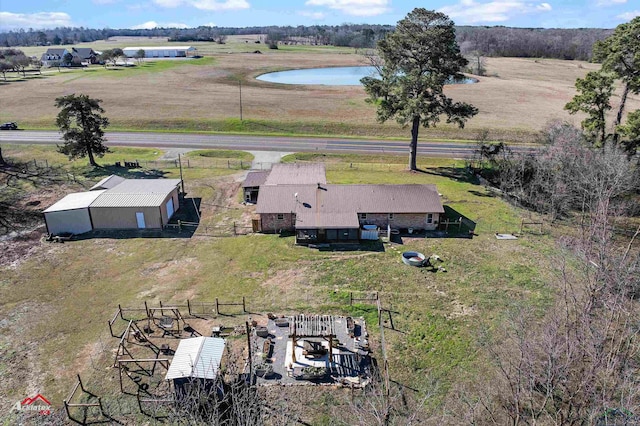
(240, 86)
(181, 179)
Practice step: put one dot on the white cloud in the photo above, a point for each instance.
(354, 7)
(215, 5)
(318, 16)
(11, 21)
(149, 25)
(610, 2)
(168, 3)
(627, 16)
(472, 12)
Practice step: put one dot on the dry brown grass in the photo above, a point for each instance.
(517, 98)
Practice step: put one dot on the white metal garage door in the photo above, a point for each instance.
(170, 208)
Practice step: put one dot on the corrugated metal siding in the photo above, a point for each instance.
(145, 186)
(109, 199)
(73, 221)
(124, 217)
(197, 357)
(254, 179)
(296, 174)
(77, 200)
(108, 182)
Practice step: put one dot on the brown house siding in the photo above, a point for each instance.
(124, 217)
(401, 220)
(270, 223)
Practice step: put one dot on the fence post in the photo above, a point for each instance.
(146, 308)
(161, 310)
(217, 307)
(244, 306)
(228, 164)
(235, 234)
(188, 307)
(350, 298)
(120, 309)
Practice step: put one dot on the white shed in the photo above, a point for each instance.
(197, 357)
(71, 214)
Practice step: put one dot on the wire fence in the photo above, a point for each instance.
(198, 163)
(221, 230)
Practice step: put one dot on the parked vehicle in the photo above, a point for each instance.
(8, 126)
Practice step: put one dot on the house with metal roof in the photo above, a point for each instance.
(252, 183)
(196, 360)
(340, 213)
(283, 174)
(115, 203)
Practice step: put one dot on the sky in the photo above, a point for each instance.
(37, 14)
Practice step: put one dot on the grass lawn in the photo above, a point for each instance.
(56, 303)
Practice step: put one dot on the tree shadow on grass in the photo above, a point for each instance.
(482, 194)
(459, 174)
(103, 171)
(464, 227)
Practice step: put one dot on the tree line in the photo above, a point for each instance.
(488, 41)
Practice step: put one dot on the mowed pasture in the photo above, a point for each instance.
(56, 301)
(516, 99)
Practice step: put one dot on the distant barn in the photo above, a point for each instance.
(161, 51)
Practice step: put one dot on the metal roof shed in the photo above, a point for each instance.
(197, 357)
(108, 182)
(71, 214)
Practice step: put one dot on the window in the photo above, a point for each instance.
(363, 216)
(280, 216)
(429, 218)
(390, 216)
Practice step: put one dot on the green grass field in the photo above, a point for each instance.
(516, 99)
(57, 301)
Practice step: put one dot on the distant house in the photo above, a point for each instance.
(115, 203)
(329, 213)
(86, 54)
(161, 51)
(56, 55)
(196, 362)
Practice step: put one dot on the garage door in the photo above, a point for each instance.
(170, 208)
(68, 221)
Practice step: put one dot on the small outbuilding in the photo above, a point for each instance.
(115, 203)
(196, 362)
(136, 204)
(252, 183)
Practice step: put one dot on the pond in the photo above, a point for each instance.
(333, 76)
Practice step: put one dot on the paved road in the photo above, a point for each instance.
(254, 143)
